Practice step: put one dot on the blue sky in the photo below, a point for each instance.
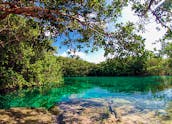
(151, 35)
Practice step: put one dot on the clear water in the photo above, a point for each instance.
(143, 92)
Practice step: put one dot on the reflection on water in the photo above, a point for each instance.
(142, 92)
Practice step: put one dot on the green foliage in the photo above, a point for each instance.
(146, 64)
(159, 63)
(11, 79)
(26, 59)
(166, 53)
(122, 66)
(75, 67)
(45, 70)
(154, 66)
(88, 19)
(159, 66)
(111, 67)
(127, 42)
(168, 50)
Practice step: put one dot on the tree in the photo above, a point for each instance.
(75, 67)
(26, 59)
(85, 17)
(166, 51)
(159, 9)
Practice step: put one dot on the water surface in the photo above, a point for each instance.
(143, 92)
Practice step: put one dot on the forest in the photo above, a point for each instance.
(28, 58)
(129, 66)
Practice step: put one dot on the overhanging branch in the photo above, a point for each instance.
(160, 21)
(43, 13)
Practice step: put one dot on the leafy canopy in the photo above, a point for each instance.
(26, 59)
(88, 18)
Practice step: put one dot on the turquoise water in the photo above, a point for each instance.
(144, 92)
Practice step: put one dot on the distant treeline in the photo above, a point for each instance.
(130, 66)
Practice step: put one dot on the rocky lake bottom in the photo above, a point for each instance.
(88, 111)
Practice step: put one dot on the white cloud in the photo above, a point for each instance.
(151, 34)
(80, 54)
(64, 54)
(129, 15)
(47, 33)
(95, 57)
(77, 53)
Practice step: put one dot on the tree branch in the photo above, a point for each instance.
(43, 13)
(149, 6)
(160, 21)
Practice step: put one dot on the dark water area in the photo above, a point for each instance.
(154, 92)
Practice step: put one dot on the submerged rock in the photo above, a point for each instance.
(86, 111)
(96, 111)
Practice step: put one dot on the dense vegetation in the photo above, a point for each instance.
(130, 66)
(75, 67)
(27, 57)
